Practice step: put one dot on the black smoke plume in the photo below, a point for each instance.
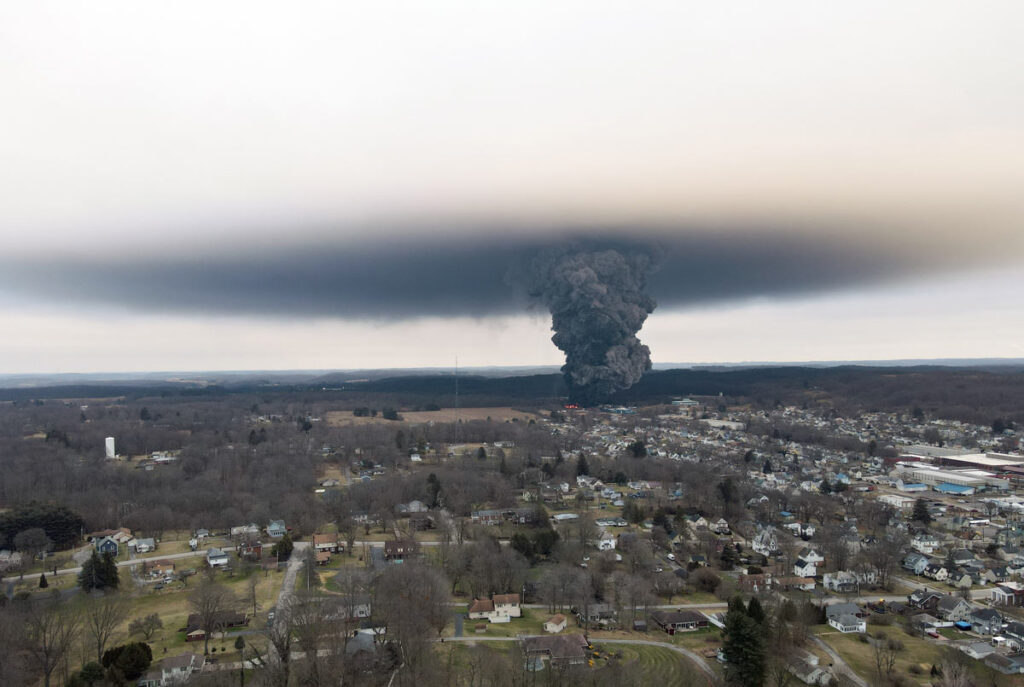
(598, 303)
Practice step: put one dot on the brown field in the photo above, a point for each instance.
(345, 417)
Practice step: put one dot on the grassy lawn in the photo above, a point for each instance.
(171, 605)
(861, 656)
(658, 666)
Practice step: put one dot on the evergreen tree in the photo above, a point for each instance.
(111, 578)
(283, 548)
(43, 584)
(920, 513)
(756, 611)
(581, 466)
(743, 646)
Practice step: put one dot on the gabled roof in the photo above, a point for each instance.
(481, 606)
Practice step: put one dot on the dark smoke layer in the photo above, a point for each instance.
(598, 303)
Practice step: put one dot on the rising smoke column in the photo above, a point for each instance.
(598, 303)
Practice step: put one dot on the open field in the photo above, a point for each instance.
(337, 418)
(861, 655)
(657, 665)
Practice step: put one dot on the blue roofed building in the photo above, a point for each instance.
(954, 489)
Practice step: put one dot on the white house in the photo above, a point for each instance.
(765, 542)
(177, 670)
(848, 623)
(606, 542)
(555, 624)
(215, 557)
(500, 608)
(925, 543)
(804, 568)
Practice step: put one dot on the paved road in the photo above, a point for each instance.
(976, 594)
(838, 664)
(121, 564)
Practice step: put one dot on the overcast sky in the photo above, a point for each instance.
(250, 185)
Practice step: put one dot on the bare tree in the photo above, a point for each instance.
(50, 631)
(101, 617)
(146, 626)
(885, 651)
(412, 601)
(210, 601)
(955, 670)
(884, 556)
(276, 667)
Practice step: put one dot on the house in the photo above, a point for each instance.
(507, 604)
(216, 558)
(961, 579)
(106, 545)
(720, 526)
(937, 572)
(177, 670)
(837, 609)
(809, 674)
(398, 551)
(755, 584)
(160, 568)
(765, 542)
(986, 621)
(1014, 634)
(9, 559)
(411, 507)
(559, 650)
(1008, 664)
(1008, 594)
(953, 609)
(962, 557)
(788, 584)
(326, 543)
(483, 609)
(500, 608)
(122, 535)
(276, 529)
(841, 582)
(848, 623)
(144, 545)
(250, 530)
(679, 621)
(811, 555)
(556, 623)
(194, 630)
(486, 517)
(804, 568)
(977, 650)
(916, 563)
(250, 549)
(925, 543)
(924, 598)
(600, 613)
(607, 542)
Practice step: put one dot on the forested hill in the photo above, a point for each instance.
(969, 393)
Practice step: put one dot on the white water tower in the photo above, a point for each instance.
(111, 454)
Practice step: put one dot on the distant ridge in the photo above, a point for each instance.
(203, 378)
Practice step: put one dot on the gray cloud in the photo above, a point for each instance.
(460, 276)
